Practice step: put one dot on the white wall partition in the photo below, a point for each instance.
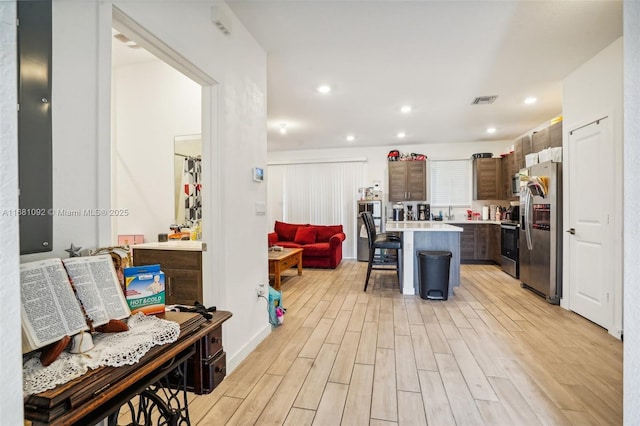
(317, 193)
(152, 104)
(10, 353)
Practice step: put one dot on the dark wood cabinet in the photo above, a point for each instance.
(509, 169)
(540, 140)
(547, 138)
(480, 242)
(487, 178)
(407, 180)
(467, 242)
(522, 147)
(496, 244)
(484, 251)
(182, 269)
(555, 135)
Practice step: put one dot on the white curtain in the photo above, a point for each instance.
(317, 193)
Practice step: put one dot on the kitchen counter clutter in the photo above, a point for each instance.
(445, 222)
(426, 235)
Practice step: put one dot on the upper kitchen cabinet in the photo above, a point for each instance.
(555, 135)
(487, 178)
(407, 180)
(548, 137)
(521, 147)
(509, 169)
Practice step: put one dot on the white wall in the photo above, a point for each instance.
(631, 208)
(235, 126)
(593, 91)
(376, 170)
(10, 350)
(152, 104)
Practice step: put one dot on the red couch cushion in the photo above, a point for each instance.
(286, 231)
(316, 250)
(305, 235)
(325, 232)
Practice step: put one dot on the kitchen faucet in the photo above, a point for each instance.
(450, 215)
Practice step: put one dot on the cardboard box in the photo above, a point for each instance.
(145, 291)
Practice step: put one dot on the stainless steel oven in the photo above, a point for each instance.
(509, 245)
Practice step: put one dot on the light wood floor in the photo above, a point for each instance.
(493, 354)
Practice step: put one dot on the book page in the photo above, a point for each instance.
(50, 309)
(98, 288)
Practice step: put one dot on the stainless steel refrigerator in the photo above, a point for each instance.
(540, 230)
(375, 208)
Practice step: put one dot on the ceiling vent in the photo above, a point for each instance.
(484, 100)
(220, 20)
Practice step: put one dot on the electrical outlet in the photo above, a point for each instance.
(262, 290)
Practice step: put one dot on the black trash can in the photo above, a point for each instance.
(433, 274)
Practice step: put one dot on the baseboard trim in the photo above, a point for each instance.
(234, 360)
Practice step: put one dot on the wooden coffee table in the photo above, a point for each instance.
(282, 260)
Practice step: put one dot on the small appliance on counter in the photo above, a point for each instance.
(410, 212)
(424, 212)
(398, 212)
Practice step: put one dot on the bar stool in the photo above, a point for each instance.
(384, 243)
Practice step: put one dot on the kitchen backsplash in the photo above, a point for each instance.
(458, 213)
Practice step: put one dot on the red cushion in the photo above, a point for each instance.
(315, 250)
(305, 235)
(325, 232)
(286, 231)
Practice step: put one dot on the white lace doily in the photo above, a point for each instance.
(111, 349)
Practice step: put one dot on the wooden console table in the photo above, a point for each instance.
(282, 260)
(100, 393)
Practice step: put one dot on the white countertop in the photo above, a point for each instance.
(171, 245)
(454, 221)
(414, 225)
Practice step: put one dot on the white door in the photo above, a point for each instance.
(590, 212)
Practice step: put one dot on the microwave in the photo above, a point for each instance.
(515, 185)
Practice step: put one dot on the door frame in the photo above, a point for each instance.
(615, 307)
(213, 264)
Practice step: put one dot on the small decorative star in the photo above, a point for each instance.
(73, 251)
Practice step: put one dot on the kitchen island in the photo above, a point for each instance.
(420, 235)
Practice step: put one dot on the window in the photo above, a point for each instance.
(450, 182)
(322, 193)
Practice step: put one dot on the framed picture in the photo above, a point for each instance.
(258, 174)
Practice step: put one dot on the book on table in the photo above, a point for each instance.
(57, 293)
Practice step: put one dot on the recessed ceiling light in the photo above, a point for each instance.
(406, 109)
(283, 128)
(324, 89)
(491, 130)
(530, 100)
(351, 138)
(401, 135)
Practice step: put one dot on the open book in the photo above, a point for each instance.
(50, 308)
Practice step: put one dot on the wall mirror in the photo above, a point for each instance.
(187, 178)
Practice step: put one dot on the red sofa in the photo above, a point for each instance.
(321, 244)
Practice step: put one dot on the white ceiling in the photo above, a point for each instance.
(436, 56)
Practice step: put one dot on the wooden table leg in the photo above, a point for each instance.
(300, 263)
